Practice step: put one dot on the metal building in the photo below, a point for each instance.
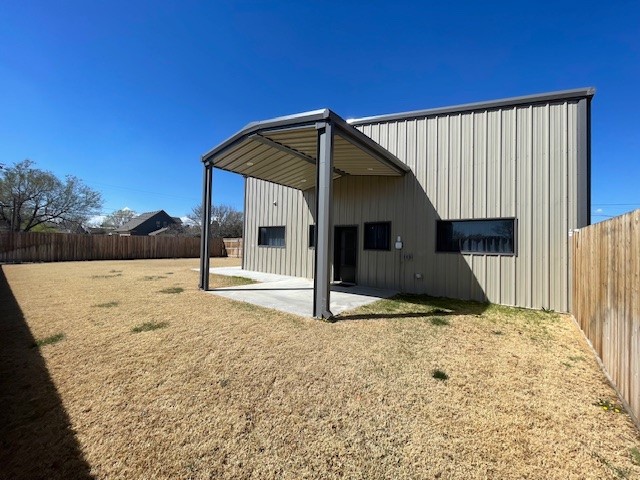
(474, 201)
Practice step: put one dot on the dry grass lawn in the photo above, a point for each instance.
(140, 375)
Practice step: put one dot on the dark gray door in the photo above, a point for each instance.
(345, 254)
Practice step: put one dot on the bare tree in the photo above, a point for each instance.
(226, 221)
(118, 218)
(30, 197)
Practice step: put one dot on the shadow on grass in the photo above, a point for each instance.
(36, 437)
(414, 306)
(374, 316)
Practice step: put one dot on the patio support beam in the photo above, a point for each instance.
(324, 185)
(205, 251)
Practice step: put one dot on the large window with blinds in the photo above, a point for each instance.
(271, 236)
(491, 236)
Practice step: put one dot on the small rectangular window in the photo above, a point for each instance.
(495, 236)
(271, 236)
(312, 236)
(377, 236)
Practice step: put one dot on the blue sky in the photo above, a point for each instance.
(128, 95)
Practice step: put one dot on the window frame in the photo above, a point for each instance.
(364, 236)
(489, 219)
(284, 236)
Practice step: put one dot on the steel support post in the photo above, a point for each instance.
(205, 252)
(324, 185)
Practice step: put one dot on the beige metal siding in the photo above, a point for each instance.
(269, 204)
(520, 161)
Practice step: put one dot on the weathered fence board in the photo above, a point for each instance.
(60, 247)
(234, 247)
(606, 298)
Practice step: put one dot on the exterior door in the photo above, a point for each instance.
(345, 254)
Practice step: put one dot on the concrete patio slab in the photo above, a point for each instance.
(294, 294)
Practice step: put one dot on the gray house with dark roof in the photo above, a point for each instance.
(147, 223)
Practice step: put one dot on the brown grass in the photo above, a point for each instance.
(230, 390)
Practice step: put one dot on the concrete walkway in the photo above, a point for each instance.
(293, 294)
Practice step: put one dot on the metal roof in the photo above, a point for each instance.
(283, 150)
(586, 92)
(137, 221)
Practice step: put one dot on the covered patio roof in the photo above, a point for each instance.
(284, 150)
(306, 150)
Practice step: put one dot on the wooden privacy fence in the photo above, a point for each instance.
(234, 247)
(606, 299)
(60, 247)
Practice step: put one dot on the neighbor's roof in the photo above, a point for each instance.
(137, 221)
(575, 93)
(283, 150)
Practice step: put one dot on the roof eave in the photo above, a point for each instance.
(254, 127)
(586, 92)
(310, 118)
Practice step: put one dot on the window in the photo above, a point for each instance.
(271, 236)
(312, 236)
(377, 236)
(476, 236)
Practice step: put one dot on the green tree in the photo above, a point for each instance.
(30, 197)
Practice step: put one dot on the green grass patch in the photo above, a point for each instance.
(423, 305)
(107, 305)
(49, 340)
(497, 332)
(439, 374)
(172, 290)
(106, 276)
(149, 326)
(115, 271)
(534, 317)
(635, 455)
(608, 406)
(229, 281)
(439, 321)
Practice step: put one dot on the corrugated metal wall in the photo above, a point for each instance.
(521, 162)
(268, 204)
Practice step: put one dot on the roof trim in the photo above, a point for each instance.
(586, 92)
(299, 119)
(309, 119)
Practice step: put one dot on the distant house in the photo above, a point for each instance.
(148, 224)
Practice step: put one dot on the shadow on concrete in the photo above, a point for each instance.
(36, 437)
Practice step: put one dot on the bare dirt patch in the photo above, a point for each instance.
(231, 390)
